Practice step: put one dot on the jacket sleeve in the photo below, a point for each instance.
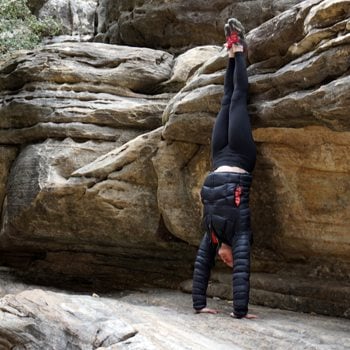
(204, 262)
(241, 273)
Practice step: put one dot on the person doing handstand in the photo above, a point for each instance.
(225, 192)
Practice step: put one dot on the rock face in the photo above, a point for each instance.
(76, 103)
(162, 23)
(306, 190)
(110, 157)
(157, 24)
(83, 91)
(7, 156)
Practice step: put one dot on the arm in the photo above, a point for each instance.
(204, 262)
(241, 273)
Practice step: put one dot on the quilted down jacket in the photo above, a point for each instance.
(226, 216)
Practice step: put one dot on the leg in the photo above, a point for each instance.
(240, 74)
(204, 262)
(240, 137)
(228, 81)
(220, 130)
(241, 273)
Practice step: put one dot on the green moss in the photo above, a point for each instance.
(20, 29)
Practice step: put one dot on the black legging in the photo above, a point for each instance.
(232, 140)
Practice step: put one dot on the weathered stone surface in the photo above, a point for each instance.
(83, 91)
(187, 63)
(117, 194)
(155, 319)
(286, 291)
(178, 25)
(309, 192)
(7, 156)
(304, 86)
(42, 166)
(45, 320)
(136, 69)
(180, 169)
(318, 107)
(106, 210)
(77, 17)
(41, 189)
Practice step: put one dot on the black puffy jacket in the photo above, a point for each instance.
(227, 215)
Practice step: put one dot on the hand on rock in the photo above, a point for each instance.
(247, 316)
(206, 310)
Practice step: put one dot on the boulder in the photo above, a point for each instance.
(38, 319)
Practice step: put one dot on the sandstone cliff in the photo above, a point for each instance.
(104, 149)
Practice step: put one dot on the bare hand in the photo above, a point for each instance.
(206, 310)
(247, 316)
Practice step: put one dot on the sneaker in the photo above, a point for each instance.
(236, 25)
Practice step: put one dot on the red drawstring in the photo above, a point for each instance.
(238, 193)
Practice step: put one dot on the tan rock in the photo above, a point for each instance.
(39, 192)
(187, 63)
(135, 206)
(326, 13)
(317, 106)
(190, 115)
(137, 69)
(106, 210)
(300, 74)
(89, 97)
(308, 191)
(181, 168)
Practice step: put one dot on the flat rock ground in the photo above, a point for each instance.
(164, 319)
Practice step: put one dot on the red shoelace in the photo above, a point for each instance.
(232, 39)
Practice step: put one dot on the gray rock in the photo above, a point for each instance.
(7, 156)
(37, 319)
(77, 17)
(155, 319)
(162, 24)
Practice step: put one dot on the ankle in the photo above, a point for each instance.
(231, 53)
(237, 49)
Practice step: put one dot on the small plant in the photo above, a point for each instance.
(20, 29)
